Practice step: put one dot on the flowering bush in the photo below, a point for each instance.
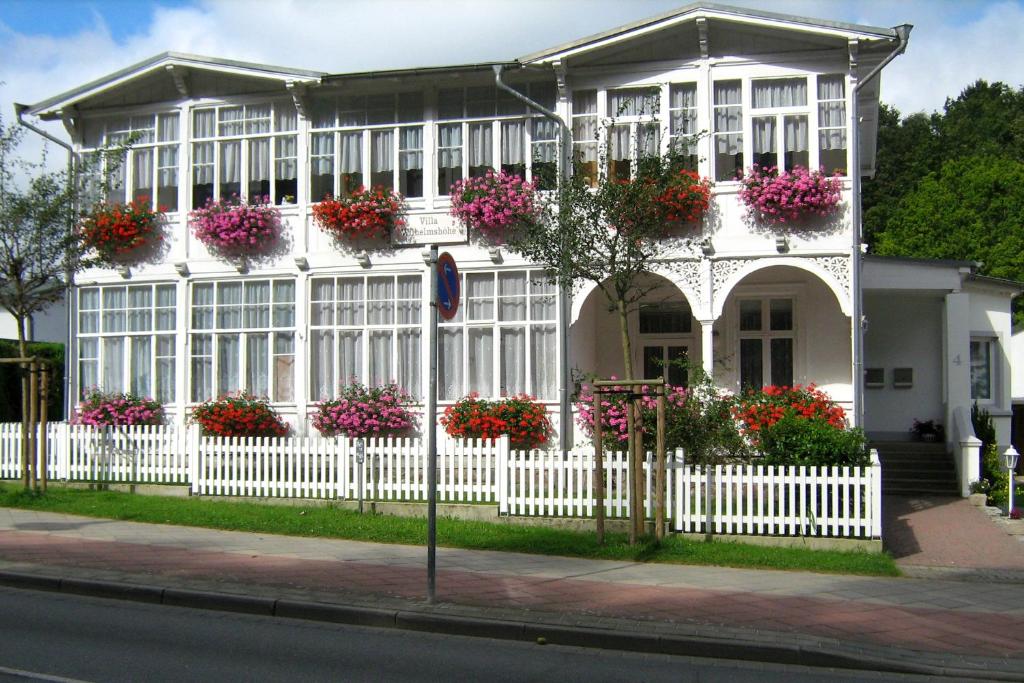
(234, 229)
(493, 203)
(240, 415)
(121, 233)
(362, 410)
(117, 410)
(521, 417)
(685, 197)
(789, 195)
(365, 214)
(614, 427)
(761, 408)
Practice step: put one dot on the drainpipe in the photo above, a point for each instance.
(902, 37)
(69, 304)
(565, 411)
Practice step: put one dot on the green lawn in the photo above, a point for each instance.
(331, 522)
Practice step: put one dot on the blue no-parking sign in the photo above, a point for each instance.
(447, 286)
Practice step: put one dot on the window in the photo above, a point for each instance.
(665, 319)
(367, 329)
(766, 342)
(126, 340)
(982, 369)
(150, 168)
(247, 151)
(634, 132)
(368, 140)
(779, 122)
(728, 135)
(683, 123)
(503, 339)
(584, 135)
(243, 339)
(666, 362)
(481, 128)
(832, 123)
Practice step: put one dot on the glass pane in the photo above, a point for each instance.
(350, 356)
(409, 300)
(202, 367)
(678, 376)
(449, 363)
(981, 370)
(781, 314)
(380, 301)
(321, 365)
(113, 364)
(750, 315)
(228, 378)
(512, 296)
(653, 362)
(543, 366)
(481, 361)
(513, 361)
(141, 370)
(480, 296)
(257, 356)
(782, 362)
(751, 364)
(380, 357)
(350, 301)
(409, 362)
(284, 367)
(779, 92)
(795, 138)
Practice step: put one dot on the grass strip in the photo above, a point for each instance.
(332, 522)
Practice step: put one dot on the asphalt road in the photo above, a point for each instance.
(62, 637)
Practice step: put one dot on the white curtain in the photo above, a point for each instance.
(481, 145)
(230, 162)
(88, 363)
(140, 315)
(410, 148)
(165, 302)
(322, 306)
(513, 143)
(230, 119)
(635, 102)
(203, 123)
(350, 301)
(141, 357)
(165, 360)
(783, 92)
(544, 146)
(728, 106)
(409, 360)
(286, 166)
(619, 143)
(763, 129)
(513, 360)
(480, 296)
(229, 305)
(202, 163)
(795, 133)
(542, 297)
(257, 361)
(284, 366)
(350, 356)
(321, 364)
(584, 102)
(284, 304)
(380, 357)
(382, 150)
(683, 96)
(285, 118)
(167, 172)
(167, 128)
(142, 173)
(512, 296)
(449, 363)
(113, 364)
(481, 360)
(449, 146)
(113, 309)
(832, 114)
(544, 373)
(259, 160)
(228, 379)
(257, 304)
(202, 367)
(321, 154)
(584, 128)
(409, 300)
(381, 301)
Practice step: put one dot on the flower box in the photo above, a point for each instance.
(99, 409)
(521, 417)
(121, 234)
(365, 411)
(239, 415)
(787, 196)
(365, 214)
(232, 229)
(494, 203)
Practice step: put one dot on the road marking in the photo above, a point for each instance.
(36, 676)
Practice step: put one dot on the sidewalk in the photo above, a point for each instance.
(899, 624)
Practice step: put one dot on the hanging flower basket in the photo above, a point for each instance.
(122, 233)
(366, 214)
(98, 409)
(790, 195)
(232, 229)
(365, 411)
(494, 203)
(685, 198)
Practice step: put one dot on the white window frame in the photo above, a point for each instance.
(780, 114)
(765, 296)
(991, 342)
(637, 125)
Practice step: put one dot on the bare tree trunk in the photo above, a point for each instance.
(631, 426)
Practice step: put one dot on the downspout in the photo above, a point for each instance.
(902, 37)
(564, 409)
(69, 304)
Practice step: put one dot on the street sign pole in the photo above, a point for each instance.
(430, 423)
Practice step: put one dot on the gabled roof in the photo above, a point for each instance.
(707, 10)
(174, 60)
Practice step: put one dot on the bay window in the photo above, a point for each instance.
(149, 169)
(248, 151)
(366, 329)
(243, 339)
(126, 340)
(503, 339)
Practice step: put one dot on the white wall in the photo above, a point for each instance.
(49, 326)
(991, 317)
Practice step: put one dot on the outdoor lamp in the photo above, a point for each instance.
(1010, 457)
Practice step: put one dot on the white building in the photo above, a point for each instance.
(753, 304)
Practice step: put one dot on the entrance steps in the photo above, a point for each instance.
(916, 468)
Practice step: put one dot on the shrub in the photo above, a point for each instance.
(122, 233)
(794, 440)
(240, 415)
(362, 410)
(521, 417)
(779, 197)
(232, 229)
(759, 409)
(365, 214)
(493, 203)
(99, 409)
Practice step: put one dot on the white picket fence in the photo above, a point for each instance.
(725, 499)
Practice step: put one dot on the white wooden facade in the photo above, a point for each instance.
(749, 301)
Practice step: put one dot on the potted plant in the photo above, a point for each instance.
(121, 234)
(365, 214)
(777, 196)
(928, 431)
(236, 229)
(493, 204)
(521, 417)
(99, 409)
(239, 415)
(365, 411)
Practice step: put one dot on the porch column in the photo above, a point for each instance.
(707, 350)
(957, 362)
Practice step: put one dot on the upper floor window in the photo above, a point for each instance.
(683, 123)
(728, 129)
(149, 169)
(634, 132)
(832, 123)
(244, 150)
(584, 135)
(779, 122)
(377, 140)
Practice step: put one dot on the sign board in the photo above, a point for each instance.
(430, 228)
(447, 286)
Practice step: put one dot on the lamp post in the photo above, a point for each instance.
(1010, 457)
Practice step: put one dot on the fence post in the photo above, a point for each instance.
(503, 475)
(876, 495)
(192, 452)
(63, 451)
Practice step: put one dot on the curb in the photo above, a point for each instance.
(820, 654)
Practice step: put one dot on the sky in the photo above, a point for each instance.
(49, 46)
